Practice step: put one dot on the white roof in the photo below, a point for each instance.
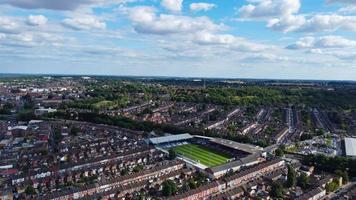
(350, 146)
(35, 121)
(17, 127)
(249, 148)
(171, 138)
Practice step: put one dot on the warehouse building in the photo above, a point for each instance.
(350, 147)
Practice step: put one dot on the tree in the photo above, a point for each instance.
(291, 178)
(147, 111)
(6, 109)
(330, 164)
(185, 187)
(142, 196)
(199, 178)
(319, 132)
(277, 190)
(25, 115)
(343, 174)
(124, 172)
(57, 136)
(137, 168)
(332, 186)
(306, 136)
(30, 190)
(169, 188)
(279, 152)
(172, 154)
(74, 131)
(303, 181)
(192, 184)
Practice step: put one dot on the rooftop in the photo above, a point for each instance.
(238, 146)
(170, 138)
(237, 163)
(350, 146)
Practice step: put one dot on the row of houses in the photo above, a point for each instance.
(123, 183)
(129, 157)
(231, 182)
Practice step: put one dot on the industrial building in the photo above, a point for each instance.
(350, 147)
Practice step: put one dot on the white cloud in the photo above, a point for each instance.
(201, 6)
(317, 23)
(58, 4)
(217, 39)
(269, 8)
(322, 42)
(228, 41)
(31, 39)
(262, 57)
(347, 10)
(86, 22)
(342, 1)
(283, 15)
(172, 5)
(8, 25)
(342, 55)
(287, 23)
(145, 20)
(36, 20)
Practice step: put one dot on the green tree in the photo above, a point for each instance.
(137, 168)
(332, 186)
(303, 181)
(279, 152)
(142, 196)
(6, 109)
(199, 178)
(147, 111)
(172, 154)
(30, 190)
(57, 136)
(74, 131)
(291, 177)
(192, 184)
(26, 115)
(343, 174)
(169, 188)
(124, 172)
(277, 190)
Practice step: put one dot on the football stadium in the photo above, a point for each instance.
(215, 156)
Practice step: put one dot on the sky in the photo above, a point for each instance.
(283, 39)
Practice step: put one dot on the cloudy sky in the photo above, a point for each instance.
(288, 39)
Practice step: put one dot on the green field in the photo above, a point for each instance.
(105, 105)
(203, 155)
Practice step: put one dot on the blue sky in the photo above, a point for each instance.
(288, 39)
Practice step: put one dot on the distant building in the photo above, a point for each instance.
(42, 111)
(350, 147)
(314, 194)
(6, 195)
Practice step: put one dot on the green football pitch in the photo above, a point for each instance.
(201, 154)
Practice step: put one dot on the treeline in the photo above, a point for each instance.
(331, 164)
(255, 95)
(120, 93)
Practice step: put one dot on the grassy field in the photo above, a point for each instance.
(203, 155)
(105, 104)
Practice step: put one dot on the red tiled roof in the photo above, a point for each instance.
(9, 171)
